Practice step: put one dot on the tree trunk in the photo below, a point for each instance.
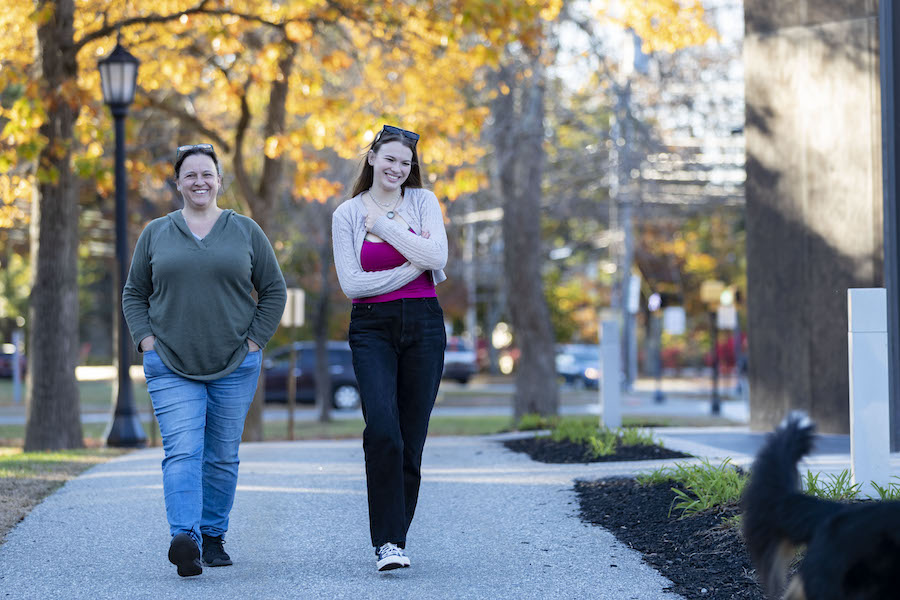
(54, 419)
(262, 203)
(323, 308)
(520, 159)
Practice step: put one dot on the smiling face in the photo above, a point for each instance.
(199, 181)
(391, 166)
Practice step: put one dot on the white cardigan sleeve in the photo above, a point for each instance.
(355, 282)
(428, 254)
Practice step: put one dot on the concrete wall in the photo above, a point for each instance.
(814, 216)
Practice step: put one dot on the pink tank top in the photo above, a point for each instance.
(381, 256)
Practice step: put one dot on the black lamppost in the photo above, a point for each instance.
(118, 78)
(711, 291)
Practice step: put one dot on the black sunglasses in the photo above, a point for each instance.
(396, 130)
(182, 150)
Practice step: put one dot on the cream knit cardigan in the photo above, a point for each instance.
(419, 208)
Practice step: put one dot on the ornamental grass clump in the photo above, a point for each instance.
(889, 492)
(705, 485)
(600, 441)
(838, 487)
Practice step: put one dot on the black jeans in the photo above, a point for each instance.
(398, 357)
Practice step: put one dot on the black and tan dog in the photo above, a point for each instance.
(852, 550)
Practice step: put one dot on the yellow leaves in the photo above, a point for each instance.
(93, 150)
(551, 10)
(272, 147)
(272, 53)
(15, 199)
(42, 15)
(464, 181)
(299, 31)
(700, 263)
(17, 41)
(224, 45)
(665, 25)
(316, 189)
(337, 61)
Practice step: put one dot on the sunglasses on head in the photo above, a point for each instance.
(182, 150)
(396, 130)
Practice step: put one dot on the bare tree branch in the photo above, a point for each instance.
(240, 172)
(189, 120)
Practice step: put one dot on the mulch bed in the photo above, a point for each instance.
(703, 558)
(543, 449)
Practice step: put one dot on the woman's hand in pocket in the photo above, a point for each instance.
(253, 345)
(147, 343)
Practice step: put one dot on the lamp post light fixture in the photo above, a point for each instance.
(118, 78)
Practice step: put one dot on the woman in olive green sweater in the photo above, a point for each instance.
(189, 306)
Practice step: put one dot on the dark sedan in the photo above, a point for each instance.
(344, 389)
(7, 360)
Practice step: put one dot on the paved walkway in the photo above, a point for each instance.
(491, 524)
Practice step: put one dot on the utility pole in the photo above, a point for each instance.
(621, 193)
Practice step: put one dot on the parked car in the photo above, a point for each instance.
(6, 361)
(344, 389)
(579, 365)
(460, 360)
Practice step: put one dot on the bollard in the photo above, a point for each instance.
(610, 388)
(869, 399)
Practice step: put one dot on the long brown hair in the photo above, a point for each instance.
(367, 175)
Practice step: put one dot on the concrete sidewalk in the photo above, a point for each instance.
(490, 524)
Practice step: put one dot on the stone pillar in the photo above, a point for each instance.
(814, 202)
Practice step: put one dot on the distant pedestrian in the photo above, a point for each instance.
(189, 305)
(390, 247)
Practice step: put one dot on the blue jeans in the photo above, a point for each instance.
(201, 423)
(398, 356)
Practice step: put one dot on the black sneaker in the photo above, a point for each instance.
(214, 554)
(184, 554)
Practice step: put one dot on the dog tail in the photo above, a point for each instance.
(777, 517)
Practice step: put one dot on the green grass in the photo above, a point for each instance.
(14, 435)
(661, 421)
(586, 430)
(14, 463)
(353, 428)
(93, 395)
(833, 487)
(889, 492)
(707, 485)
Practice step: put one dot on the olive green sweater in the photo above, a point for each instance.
(195, 295)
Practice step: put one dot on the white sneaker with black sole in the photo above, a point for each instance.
(390, 556)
